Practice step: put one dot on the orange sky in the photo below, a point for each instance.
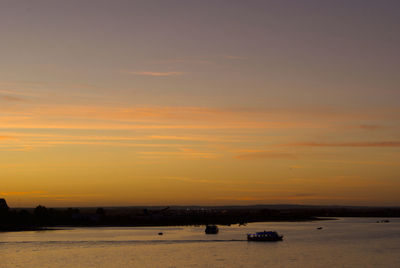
(199, 103)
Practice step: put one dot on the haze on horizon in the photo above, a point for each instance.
(110, 103)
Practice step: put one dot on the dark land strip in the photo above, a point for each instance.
(42, 218)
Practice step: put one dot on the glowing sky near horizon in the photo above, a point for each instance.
(108, 103)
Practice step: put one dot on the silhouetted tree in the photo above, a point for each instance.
(41, 215)
(40, 211)
(100, 211)
(3, 206)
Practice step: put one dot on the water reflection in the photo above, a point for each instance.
(354, 242)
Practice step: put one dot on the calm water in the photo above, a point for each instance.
(351, 242)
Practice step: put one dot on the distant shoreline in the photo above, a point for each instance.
(61, 227)
(42, 218)
(23, 229)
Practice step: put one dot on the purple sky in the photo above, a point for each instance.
(284, 94)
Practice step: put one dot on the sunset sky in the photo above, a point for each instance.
(112, 103)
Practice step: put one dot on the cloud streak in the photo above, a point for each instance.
(348, 144)
(7, 138)
(182, 154)
(11, 98)
(265, 155)
(370, 127)
(233, 57)
(22, 193)
(192, 180)
(156, 74)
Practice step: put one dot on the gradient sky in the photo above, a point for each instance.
(108, 103)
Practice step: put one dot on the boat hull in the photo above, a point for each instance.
(211, 229)
(265, 239)
(270, 236)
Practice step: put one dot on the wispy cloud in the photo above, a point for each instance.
(184, 61)
(244, 198)
(172, 117)
(192, 180)
(233, 57)
(348, 144)
(298, 197)
(183, 154)
(156, 74)
(265, 155)
(370, 127)
(22, 193)
(14, 92)
(21, 149)
(295, 167)
(170, 126)
(11, 98)
(68, 196)
(7, 138)
(69, 117)
(366, 163)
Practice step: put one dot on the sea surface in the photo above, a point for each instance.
(348, 242)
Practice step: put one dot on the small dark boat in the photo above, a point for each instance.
(161, 233)
(265, 236)
(383, 221)
(211, 229)
(319, 228)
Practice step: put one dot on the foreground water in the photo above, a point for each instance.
(350, 242)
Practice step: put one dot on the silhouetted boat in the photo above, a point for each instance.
(383, 221)
(211, 229)
(319, 228)
(270, 236)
